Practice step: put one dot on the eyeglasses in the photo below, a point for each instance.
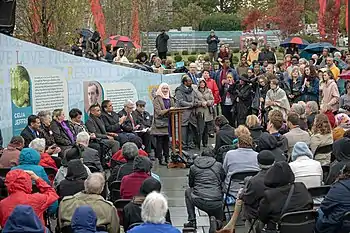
(142, 106)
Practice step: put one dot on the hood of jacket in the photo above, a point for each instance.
(84, 220)
(29, 156)
(18, 180)
(76, 170)
(149, 185)
(341, 149)
(204, 162)
(184, 89)
(329, 82)
(280, 174)
(23, 219)
(267, 142)
(142, 164)
(118, 52)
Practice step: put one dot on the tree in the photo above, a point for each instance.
(253, 21)
(190, 15)
(220, 22)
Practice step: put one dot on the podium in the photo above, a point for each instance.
(176, 123)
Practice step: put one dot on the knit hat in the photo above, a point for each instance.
(266, 159)
(338, 133)
(142, 164)
(149, 185)
(301, 149)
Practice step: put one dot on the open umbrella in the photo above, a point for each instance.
(345, 75)
(85, 32)
(120, 41)
(318, 47)
(294, 40)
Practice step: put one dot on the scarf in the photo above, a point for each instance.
(160, 93)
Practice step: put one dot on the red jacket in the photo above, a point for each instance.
(19, 187)
(118, 156)
(47, 161)
(211, 84)
(331, 118)
(131, 184)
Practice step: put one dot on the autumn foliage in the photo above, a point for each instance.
(254, 20)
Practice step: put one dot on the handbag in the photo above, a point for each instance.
(162, 122)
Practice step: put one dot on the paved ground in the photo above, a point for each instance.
(174, 183)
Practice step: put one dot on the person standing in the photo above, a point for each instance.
(253, 54)
(162, 44)
(213, 42)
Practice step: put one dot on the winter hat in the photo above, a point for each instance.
(266, 159)
(301, 149)
(149, 185)
(142, 164)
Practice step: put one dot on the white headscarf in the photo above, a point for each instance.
(160, 93)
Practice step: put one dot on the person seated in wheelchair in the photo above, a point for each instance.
(283, 195)
(132, 211)
(118, 125)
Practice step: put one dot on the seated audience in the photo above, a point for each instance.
(46, 160)
(335, 205)
(295, 134)
(96, 126)
(74, 180)
(153, 211)
(342, 120)
(74, 153)
(254, 127)
(144, 121)
(300, 110)
(84, 220)
(341, 153)
(29, 160)
(113, 124)
(23, 219)
(252, 193)
(105, 211)
(311, 111)
(305, 169)
(130, 152)
(205, 181)
(10, 155)
(243, 159)
(91, 157)
(131, 183)
(274, 125)
(46, 133)
(19, 187)
(279, 181)
(118, 158)
(270, 143)
(61, 130)
(224, 133)
(132, 211)
(321, 136)
(32, 130)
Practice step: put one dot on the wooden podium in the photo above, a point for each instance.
(176, 123)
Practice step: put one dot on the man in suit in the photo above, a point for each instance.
(90, 156)
(193, 73)
(31, 131)
(95, 125)
(143, 119)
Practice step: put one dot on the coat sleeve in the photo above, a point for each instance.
(210, 100)
(110, 127)
(158, 109)
(314, 88)
(264, 210)
(47, 195)
(335, 94)
(92, 129)
(249, 195)
(314, 143)
(115, 225)
(57, 134)
(181, 100)
(191, 178)
(208, 40)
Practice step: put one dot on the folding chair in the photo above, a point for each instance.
(237, 177)
(299, 221)
(119, 205)
(318, 193)
(114, 191)
(220, 155)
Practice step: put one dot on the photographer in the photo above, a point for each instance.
(93, 47)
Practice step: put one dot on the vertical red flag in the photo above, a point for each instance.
(336, 21)
(135, 22)
(99, 18)
(347, 15)
(321, 23)
(35, 18)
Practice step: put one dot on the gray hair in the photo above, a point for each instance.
(303, 61)
(313, 106)
(38, 144)
(337, 54)
(128, 103)
(130, 151)
(95, 183)
(299, 109)
(43, 114)
(154, 208)
(83, 138)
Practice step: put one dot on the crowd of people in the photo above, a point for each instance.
(286, 123)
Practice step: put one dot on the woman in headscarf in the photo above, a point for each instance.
(74, 180)
(160, 128)
(276, 98)
(132, 211)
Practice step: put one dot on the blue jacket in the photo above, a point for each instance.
(311, 93)
(23, 220)
(29, 160)
(84, 220)
(152, 227)
(334, 206)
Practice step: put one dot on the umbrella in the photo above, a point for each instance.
(120, 41)
(86, 33)
(345, 75)
(294, 40)
(318, 47)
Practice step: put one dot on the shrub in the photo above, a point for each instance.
(178, 58)
(185, 53)
(192, 58)
(235, 59)
(202, 52)
(176, 53)
(193, 53)
(206, 58)
(235, 50)
(221, 22)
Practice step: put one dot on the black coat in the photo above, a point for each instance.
(270, 143)
(47, 134)
(95, 125)
(278, 180)
(111, 122)
(212, 44)
(28, 136)
(341, 153)
(256, 132)
(119, 171)
(144, 120)
(91, 158)
(127, 125)
(267, 56)
(206, 177)
(224, 137)
(162, 43)
(253, 194)
(60, 135)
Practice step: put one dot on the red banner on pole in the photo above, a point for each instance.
(336, 21)
(321, 13)
(347, 15)
(99, 18)
(135, 22)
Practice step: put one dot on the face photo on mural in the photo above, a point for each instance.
(92, 94)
